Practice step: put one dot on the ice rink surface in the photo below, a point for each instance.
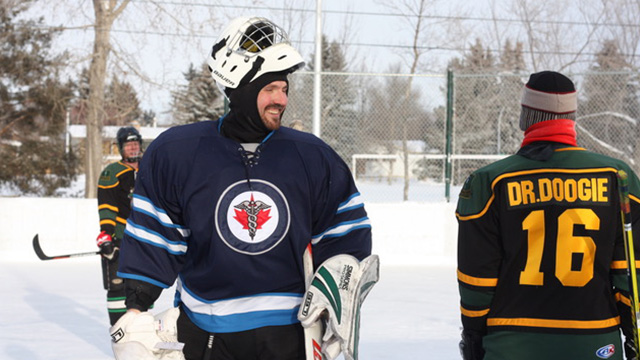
(57, 310)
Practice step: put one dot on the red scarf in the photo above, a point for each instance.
(560, 130)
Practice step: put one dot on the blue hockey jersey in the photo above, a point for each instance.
(231, 226)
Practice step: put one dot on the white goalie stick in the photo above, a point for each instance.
(312, 334)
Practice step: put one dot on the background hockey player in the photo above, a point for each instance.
(540, 244)
(228, 208)
(115, 188)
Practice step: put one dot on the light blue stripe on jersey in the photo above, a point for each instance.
(142, 278)
(145, 235)
(353, 202)
(240, 314)
(342, 229)
(144, 205)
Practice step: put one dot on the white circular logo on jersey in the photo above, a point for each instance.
(252, 221)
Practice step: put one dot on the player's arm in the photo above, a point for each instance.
(108, 210)
(340, 222)
(345, 269)
(479, 257)
(155, 240)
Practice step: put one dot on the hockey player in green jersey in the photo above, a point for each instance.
(115, 187)
(541, 260)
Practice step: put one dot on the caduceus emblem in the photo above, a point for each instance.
(252, 215)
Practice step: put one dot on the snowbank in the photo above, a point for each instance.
(404, 233)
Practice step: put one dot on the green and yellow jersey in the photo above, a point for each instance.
(541, 261)
(115, 188)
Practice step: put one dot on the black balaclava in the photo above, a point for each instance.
(243, 123)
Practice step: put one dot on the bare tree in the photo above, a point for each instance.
(625, 14)
(105, 14)
(123, 55)
(557, 34)
(415, 14)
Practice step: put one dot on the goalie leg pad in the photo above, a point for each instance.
(335, 295)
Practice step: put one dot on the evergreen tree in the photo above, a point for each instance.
(199, 99)
(511, 68)
(121, 103)
(340, 119)
(512, 58)
(475, 101)
(33, 102)
(487, 104)
(148, 118)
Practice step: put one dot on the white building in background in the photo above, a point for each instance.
(78, 133)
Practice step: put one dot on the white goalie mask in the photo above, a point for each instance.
(248, 48)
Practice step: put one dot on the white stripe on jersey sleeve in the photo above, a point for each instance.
(353, 202)
(144, 205)
(342, 229)
(145, 235)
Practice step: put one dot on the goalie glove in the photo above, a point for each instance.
(335, 296)
(141, 336)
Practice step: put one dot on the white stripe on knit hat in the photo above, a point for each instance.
(557, 103)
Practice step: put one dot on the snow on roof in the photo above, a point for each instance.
(109, 132)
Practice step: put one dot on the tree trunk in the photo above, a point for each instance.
(106, 12)
(414, 66)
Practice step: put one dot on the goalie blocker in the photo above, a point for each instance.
(330, 312)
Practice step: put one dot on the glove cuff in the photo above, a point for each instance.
(103, 238)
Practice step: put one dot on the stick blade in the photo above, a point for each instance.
(36, 247)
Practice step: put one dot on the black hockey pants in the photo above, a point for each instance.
(266, 343)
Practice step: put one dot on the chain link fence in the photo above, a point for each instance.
(417, 138)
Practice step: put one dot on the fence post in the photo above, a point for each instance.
(448, 137)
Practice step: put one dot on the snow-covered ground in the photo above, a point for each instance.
(57, 309)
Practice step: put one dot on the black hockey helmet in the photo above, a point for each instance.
(126, 134)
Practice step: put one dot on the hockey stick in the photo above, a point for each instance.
(43, 256)
(312, 334)
(630, 254)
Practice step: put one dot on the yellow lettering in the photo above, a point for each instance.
(558, 189)
(602, 189)
(515, 197)
(528, 196)
(544, 186)
(526, 192)
(584, 189)
(570, 190)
